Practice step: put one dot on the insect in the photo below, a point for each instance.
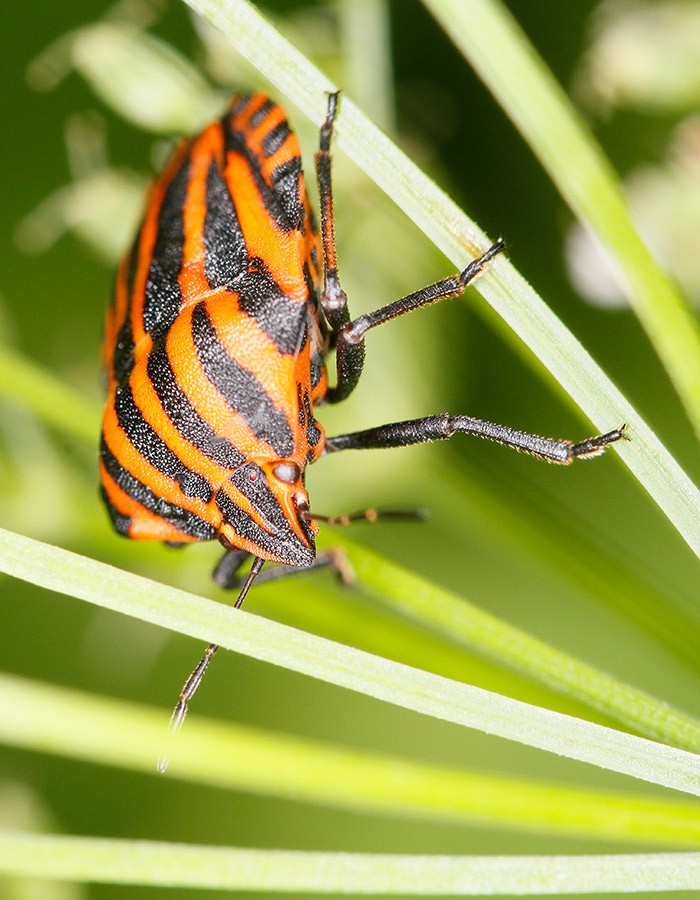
(224, 312)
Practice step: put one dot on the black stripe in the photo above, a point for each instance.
(313, 435)
(252, 483)
(264, 503)
(312, 288)
(123, 359)
(275, 138)
(131, 270)
(317, 365)
(182, 519)
(243, 525)
(163, 297)
(153, 448)
(124, 351)
(184, 416)
(285, 181)
(120, 522)
(261, 114)
(282, 320)
(287, 211)
(227, 265)
(300, 406)
(240, 388)
(314, 230)
(226, 256)
(240, 104)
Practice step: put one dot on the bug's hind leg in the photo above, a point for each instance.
(440, 428)
(227, 577)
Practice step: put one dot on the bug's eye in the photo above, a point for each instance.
(288, 472)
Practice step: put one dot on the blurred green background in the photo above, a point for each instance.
(578, 557)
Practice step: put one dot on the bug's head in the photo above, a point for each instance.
(264, 509)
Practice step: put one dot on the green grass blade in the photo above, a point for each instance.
(507, 62)
(509, 294)
(533, 529)
(106, 861)
(461, 622)
(68, 573)
(458, 620)
(51, 719)
(365, 34)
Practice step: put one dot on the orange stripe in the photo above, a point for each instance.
(247, 343)
(161, 485)
(283, 252)
(193, 280)
(204, 397)
(278, 373)
(145, 525)
(147, 400)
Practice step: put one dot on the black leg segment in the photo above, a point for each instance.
(333, 299)
(349, 335)
(227, 577)
(440, 428)
(453, 286)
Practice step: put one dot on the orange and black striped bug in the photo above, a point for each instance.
(224, 312)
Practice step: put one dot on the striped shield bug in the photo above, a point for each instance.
(224, 312)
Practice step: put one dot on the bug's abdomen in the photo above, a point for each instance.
(212, 343)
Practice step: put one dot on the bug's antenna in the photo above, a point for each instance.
(369, 515)
(190, 686)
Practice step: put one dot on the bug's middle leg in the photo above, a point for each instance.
(349, 335)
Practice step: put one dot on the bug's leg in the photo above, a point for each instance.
(440, 428)
(352, 334)
(226, 576)
(226, 572)
(334, 302)
(190, 686)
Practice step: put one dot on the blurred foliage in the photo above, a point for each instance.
(644, 59)
(578, 557)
